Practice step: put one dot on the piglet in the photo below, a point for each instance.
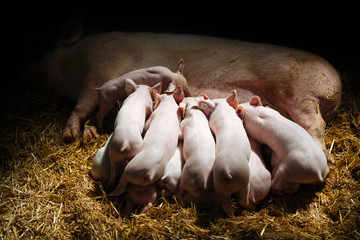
(296, 158)
(114, 90)
(160, 142)
(260, 177)
(169, 182)
(145, 196)
(127, 140)
(199, 150)
(231, 171)
(100, 169)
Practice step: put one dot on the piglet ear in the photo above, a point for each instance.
(171, 88)
(203, 105)
(155, 98)
(130, 86)
(232, 99)
(240, 112)
(255, 101)
(206, 106)
(180, 69)
(204, 96)
(181, 111)
(178, 94)
(157, 87)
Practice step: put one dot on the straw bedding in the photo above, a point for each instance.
(46, 190)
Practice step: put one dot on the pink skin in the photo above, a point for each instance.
(300, 85)
(260, 177)
(170, 180)
(146, 196)
(199, 150)
(129, 124)
(296, 158)
(112, 91)
(231, 171)
(100, 169)
(160, 142)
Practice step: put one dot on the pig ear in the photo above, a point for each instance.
(206, 106)
(232, 99)
(204, 96)
(178, 94)
(181, 111)
(71, 32)
(157, 87)
(240, 112)
(180, 68)
(130, 86)
(155, 98)
(255, 101)
(171, 88)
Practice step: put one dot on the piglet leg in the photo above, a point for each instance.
(227, 206)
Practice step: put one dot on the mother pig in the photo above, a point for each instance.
(300, 85)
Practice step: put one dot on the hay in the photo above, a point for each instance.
(46, 190)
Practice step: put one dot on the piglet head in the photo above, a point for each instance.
(191, 104)
(207, 106)
(254, 102)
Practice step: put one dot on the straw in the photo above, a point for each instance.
(46, 190)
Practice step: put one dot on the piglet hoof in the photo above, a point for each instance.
(70, 135)
(329, 157)
(90, 133)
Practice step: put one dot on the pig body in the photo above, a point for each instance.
(301, 86)
(100, 169)
(260, 177)
(114, 90)
(199, 151)
(160, 142)
(127, 140)
(295, 157)
(231, 166)
(170, 180)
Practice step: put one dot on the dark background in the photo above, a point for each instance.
(329, 29)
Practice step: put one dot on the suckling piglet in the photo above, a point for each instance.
(100, 169)
(146, 196)
(199, 150)
(160, 141)
(169, 182)
(231, 172)
(296, 158)
(260, 177)
(114, 90)
(127, 139)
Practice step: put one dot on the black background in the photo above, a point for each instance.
(329, 29)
